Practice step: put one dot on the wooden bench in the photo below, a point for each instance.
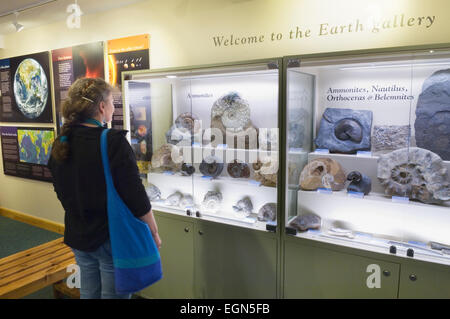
(35, 268)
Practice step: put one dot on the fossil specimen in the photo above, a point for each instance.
(306, 221)
(415, 173)
(359, 183)
(153, 192)
(390, 137)
(211, 166)
(186, 125)
(432, 125)
(266, 171)
(186, 201)
(345, 130)
(322, 173)
(174, 199)
(162, 158)
(212, 200)
(244, 207)
(268, 212)
(238, 170)
(187, 169)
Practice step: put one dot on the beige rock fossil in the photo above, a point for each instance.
(322, 173)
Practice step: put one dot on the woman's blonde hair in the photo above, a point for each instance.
(82, 103)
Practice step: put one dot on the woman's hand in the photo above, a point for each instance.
(157, 240)
(149, 219)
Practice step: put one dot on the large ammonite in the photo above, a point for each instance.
(415, 173)
(238, 170)
(266, 171)
(233, 111)
(212, 200)
(187, 122)
(348, 129)
(211, 166)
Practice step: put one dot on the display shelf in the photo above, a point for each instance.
(378, 214)
(376, 244)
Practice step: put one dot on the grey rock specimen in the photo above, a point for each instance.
(211, 166)
(174, 199)
(345, 130)
(306, 221)
(432, 125)
(418, 174)
(296, 135)
(187, 169)
(212, 200)
(359, 183)
(244, 207)
(238, 170)
(322, 173)
(390, 137)
(153, 192)
(268, 212)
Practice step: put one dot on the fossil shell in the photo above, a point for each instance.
(348, 129)
(186, 201)
(238, 170)
(187, 169)
(359, 183)
(345, 130)
(153, 192)
(306, 221)
(268, 212)
(232, 110)
(186, 125)
(163, 158)
(211, 166)
(174, 199)
(212, 200)
(322, 173)
(244, 207)
(266, 171)
(418, 174)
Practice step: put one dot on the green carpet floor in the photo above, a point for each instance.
(17, 236)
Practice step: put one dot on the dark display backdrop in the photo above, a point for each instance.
(26, 152)
(26, 93)
(72, 63)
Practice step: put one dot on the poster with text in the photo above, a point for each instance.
(26, 151)
(70, 64)
(126, 54)
(26, 89)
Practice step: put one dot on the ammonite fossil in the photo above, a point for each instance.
(238, 170)
(153, 192)
(322, 173)
(266, 171)
(187, 169)
(345, 130)
(268, 212)
(232, 110)
(359, 183)
(212, 200)
(162, 158)
(244, 207)
(211, 166)
(432, 125)
(306, 221)
(186, 125)
(174, 199)
(415, 173)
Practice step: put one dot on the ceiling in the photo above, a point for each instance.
(39, 12)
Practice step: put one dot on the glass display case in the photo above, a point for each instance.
(206, 140)
(368, 159)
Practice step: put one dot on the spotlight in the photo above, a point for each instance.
(19, 27)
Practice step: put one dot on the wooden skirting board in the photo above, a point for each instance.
(32, 220)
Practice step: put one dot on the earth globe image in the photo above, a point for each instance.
(30, 88)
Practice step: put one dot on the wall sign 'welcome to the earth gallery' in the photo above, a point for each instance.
(395, 23)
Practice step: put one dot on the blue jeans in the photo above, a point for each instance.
(97, 273)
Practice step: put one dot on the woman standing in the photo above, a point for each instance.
(79, 183)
